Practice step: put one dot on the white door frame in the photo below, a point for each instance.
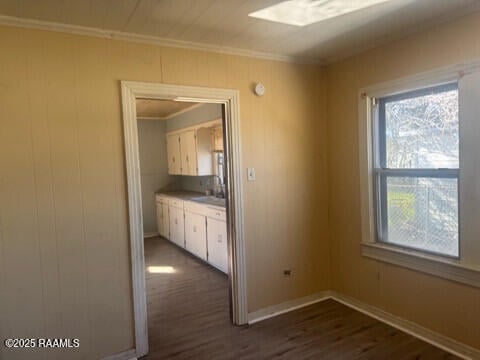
(237, 267)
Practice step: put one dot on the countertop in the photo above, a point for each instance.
(193, 196)
(181, 194)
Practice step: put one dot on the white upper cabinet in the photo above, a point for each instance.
(174, 154)
(188, 146)
(190, 152)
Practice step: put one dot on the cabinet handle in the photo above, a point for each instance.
(187, 158)
(194, 229)
(176, 222)
(173, 158)
(219, 238)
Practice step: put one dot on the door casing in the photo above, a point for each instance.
(229, 98)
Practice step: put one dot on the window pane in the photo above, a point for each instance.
(423, 213)
(422, 130)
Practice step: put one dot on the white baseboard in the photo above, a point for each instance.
(429, 336)
(287, 306)
(126, 355)
(150, 235)
(452, 346)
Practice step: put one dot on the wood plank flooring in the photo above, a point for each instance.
(188, 318)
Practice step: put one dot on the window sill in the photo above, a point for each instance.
(415, 260)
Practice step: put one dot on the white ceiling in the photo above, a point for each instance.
(161, 109)
(224, 24)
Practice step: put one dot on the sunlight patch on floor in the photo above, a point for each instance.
(161, 270)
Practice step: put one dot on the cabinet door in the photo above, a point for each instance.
(160, 222)
(166, 221)
(196, 234)
(177, 230)
(188, 148)
(217, 244)
(174, 155)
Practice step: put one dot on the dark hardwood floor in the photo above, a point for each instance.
(188, 318)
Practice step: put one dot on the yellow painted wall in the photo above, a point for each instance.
(449, 308)
(64, 247)
(64, 251)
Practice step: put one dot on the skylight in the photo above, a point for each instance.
(306, 12)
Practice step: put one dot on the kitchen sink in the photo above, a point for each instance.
(210, 200)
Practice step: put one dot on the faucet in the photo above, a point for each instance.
(220, 182)
(221, 193)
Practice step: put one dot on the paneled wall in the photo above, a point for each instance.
(446, 307)
(197, 115)
(64, 247)
(152, 146)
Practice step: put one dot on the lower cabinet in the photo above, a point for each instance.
(177, 229)
(163, 221)
(160, 217)
(166, 220)
(196, 234)
(217, 244)
(200, 229)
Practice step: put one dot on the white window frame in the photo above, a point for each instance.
(466, 268)
(382, 172)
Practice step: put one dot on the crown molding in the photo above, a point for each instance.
(148, 39)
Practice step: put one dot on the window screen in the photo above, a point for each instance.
(416, 172)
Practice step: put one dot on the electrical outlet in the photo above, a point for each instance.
(251, 174)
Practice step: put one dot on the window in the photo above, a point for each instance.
(416, 169)
(419, 140)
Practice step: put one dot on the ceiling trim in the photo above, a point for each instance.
(150, 118)
(148, 39)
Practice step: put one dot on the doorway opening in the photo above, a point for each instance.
(191, 203)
